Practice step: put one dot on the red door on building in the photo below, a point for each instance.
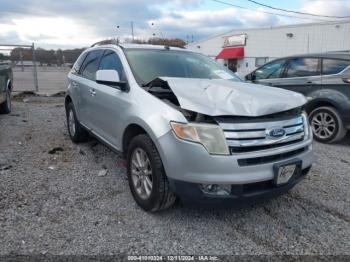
(232, 65)
(231, 54)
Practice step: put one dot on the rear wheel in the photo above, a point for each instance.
(147, 179)
(5, 108)
(327, 125)
(76, 131)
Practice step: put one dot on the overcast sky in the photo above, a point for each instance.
(78, 23)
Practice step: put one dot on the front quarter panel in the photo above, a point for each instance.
(150, 113)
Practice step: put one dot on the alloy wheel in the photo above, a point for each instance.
(8, 100)
(141, 173)
(71, 123)
(323, 125)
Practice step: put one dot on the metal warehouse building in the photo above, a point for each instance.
(243, 50)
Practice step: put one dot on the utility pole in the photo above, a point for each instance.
(132, 31)
(35, 72)
(21, 58)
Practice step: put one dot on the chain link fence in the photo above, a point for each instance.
(22, 60)
(38, 70)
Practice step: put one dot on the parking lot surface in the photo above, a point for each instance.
(51, 80)
(54, 199)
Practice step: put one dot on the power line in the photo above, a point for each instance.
(266, 12)
(295, 12)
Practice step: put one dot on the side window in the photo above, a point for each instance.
(333, 66)
(111, 60)
(300, 67)
(270, 70)
(77, 64)
(90, 64)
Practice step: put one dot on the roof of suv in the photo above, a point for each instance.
(144, 46)
(335, 55)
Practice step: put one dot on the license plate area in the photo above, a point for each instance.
(287, 171)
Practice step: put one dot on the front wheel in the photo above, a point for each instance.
(327, 125)
(5, 108)
(147, 179)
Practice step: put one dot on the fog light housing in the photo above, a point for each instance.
(214, 189)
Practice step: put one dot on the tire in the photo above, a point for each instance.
(76, 131)
(5, 108)
(327, 125)
(159, 196)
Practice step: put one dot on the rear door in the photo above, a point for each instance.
(87, 86)
(302, 75)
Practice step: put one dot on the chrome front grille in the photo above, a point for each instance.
(254, 135)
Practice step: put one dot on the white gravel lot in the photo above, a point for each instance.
(57, 203)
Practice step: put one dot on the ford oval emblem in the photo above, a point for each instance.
(276, 132)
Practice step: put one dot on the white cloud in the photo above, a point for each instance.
(206, 22)
(77, 23)
(327, 7)
(48, 31)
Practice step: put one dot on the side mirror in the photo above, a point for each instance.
(110, 78)
(253, 77)
(250, 77)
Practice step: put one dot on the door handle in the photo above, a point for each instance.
(75, 84)
(92, 92)
(309, 82)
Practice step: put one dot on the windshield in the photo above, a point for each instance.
(148, 65)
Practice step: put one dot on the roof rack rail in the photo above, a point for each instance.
(106, 42)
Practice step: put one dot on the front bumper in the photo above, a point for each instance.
(190, 162)
(188, 165)
(190, 193)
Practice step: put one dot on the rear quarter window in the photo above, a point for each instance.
(78, 63)
(334, 66)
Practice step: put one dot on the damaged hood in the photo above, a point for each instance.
(219, 97)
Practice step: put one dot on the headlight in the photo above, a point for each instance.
(210, 136)
(307, 127)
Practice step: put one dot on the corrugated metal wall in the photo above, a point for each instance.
(274, 42)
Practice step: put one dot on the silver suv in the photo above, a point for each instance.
(187, 126)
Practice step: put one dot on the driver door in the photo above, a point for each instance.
(271, 73)
(109, 104)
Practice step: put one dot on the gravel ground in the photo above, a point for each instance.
(58, 204)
